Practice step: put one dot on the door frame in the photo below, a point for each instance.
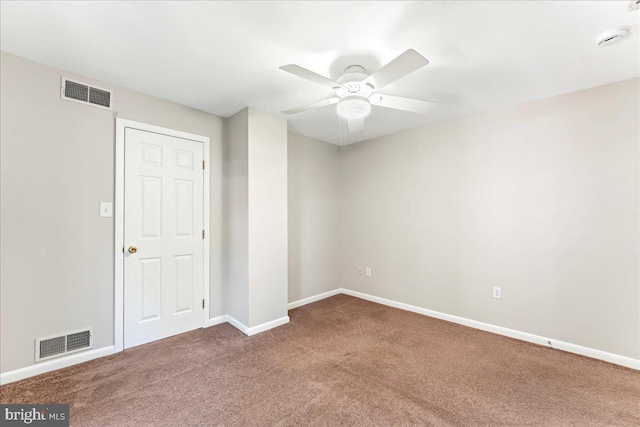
(118, 250)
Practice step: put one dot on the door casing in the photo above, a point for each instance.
(118, 212)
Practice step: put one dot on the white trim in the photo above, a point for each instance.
(237, 324)
(53, 364)
(206, 223)
(266, 326)
(74, 359)
(512, 333)
(309, 300)
(216, 321)
(121, 126)
(118, 229)
(254, 330)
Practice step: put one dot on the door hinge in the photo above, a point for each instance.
(202, 303)
(203, 234)
(203, 164)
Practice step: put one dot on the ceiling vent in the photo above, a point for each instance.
(612, 36)
(47, 348)
(86, 94)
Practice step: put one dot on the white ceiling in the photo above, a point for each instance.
(223, 56)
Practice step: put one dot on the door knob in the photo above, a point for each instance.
(133, 249)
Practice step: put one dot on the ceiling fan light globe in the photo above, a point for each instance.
(354, 107)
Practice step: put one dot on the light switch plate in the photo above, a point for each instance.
(106, 209)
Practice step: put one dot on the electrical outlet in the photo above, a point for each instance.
(497, 292)
(368, 272)
(360, 271)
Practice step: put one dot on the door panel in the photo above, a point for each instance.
(150, 207)
(184, 276)
(163, 279)
(184, 208)
(150, 288)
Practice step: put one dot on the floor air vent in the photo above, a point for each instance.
(47, 348)
(85, 94)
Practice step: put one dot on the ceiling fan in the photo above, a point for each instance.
(356, 91)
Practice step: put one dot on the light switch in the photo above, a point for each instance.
(106, 209)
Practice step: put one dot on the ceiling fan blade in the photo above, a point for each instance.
(318, 104)
(355, 125)
(310, 75)
(403, 65)
(401, 103)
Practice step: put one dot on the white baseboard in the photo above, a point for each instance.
(266, 326)
(248, 331)
(236, 324)
(314, 298)
(512, 333)
(216, 320)
(53, 364)
(74, 359)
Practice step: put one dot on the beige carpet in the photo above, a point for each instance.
(341, 361)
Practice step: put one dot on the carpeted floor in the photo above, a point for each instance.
(341, 361)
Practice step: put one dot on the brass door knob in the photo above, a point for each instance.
(133, 249)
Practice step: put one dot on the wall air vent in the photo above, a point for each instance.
(86, 94)
(60, 345)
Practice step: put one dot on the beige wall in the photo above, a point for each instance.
(313, 217)
(267, 217)
(257, 195)
(540, 199)
(57, 165)
(236, 278)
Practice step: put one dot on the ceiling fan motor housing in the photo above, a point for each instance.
(352, 82)
(353, 73)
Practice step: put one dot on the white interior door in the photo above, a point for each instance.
(163, 236)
